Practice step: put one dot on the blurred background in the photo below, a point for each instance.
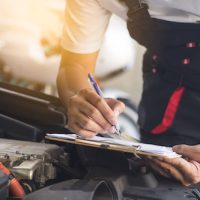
(30, 32)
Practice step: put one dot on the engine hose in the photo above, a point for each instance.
(15, 188)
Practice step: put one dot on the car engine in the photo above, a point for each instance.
(34, 164)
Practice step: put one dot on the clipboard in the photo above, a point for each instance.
(135, 148)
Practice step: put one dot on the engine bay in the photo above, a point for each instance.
(47, 170)
(34, 164)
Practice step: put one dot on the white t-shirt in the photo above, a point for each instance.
(86, 20)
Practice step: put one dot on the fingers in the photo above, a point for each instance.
(158, 169)
(101, 105)
(186, 172)
(80, 131)
(94, 114)
(179, 163)
(183, 166)
(89, 114)
(191, 152)
(117, 106)
(170, 169)
(90, 124)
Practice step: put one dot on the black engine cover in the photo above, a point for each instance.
(3, 186)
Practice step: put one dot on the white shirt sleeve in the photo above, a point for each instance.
(85, 25)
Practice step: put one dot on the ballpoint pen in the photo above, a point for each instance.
(100, 93)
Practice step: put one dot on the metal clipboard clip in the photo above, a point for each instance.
(136, 151)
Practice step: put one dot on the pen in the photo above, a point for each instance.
(100, 93)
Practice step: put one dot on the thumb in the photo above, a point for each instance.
(191, 152)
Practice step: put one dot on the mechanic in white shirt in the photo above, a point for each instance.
(170, 104)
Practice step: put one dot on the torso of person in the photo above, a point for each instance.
(86, 20)
(165, 106)
(172, 10)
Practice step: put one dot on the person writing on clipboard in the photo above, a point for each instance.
(170, 105)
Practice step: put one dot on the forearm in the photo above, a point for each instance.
(73, 72)
(87, 112)
(69, 82)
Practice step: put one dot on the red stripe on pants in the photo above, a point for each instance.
(170, 112)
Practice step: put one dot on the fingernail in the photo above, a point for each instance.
(112, 130)
(116, 113)
(114, 121)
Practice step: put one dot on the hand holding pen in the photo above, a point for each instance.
(100, 93)
(88, 113)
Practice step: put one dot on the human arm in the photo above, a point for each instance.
(186, 169)
(87, 113)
